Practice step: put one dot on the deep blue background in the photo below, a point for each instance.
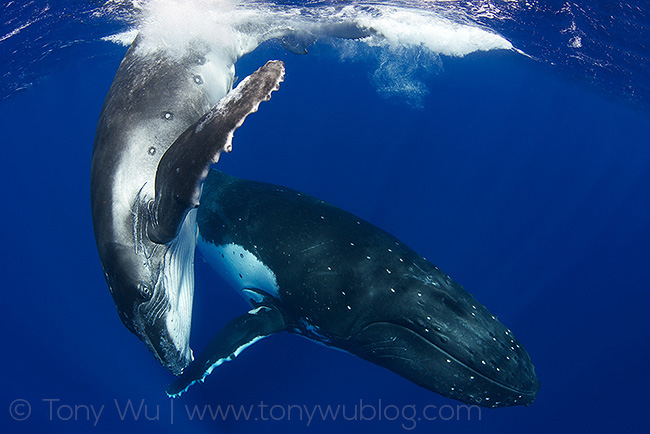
(528, 189)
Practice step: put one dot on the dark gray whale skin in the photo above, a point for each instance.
(313, 269)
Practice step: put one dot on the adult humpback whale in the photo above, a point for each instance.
(156, 139)
(152, 150)
(310, 268)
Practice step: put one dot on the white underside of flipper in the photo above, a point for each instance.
(178, 275)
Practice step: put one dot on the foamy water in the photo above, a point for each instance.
(406, 42)
(175, 22)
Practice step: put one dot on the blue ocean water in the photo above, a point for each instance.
(524, 177)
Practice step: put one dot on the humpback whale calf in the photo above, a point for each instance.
(156, 138)
(310, 268)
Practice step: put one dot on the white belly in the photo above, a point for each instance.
(239, 267)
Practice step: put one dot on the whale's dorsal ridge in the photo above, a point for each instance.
(186, 163)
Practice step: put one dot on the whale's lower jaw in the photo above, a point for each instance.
(416, 358)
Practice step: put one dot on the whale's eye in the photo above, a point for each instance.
(145, 291)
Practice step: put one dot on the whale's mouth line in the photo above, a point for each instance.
(451, 357)
(166, 354)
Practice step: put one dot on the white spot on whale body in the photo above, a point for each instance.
(257, 310)
(237, 261)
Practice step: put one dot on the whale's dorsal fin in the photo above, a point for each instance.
(186, 163)
(236, 336)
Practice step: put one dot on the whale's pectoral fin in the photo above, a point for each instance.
(186, 163)
(236, 336)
